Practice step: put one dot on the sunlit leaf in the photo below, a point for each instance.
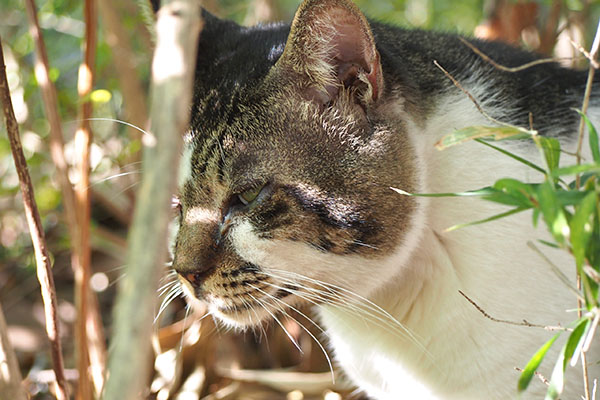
(489, 219)
(593, 139)
(534, 363)
(576, 169)
(512, 155)
(477, 132)
(551, 150)
(582, 226)
(557, 380)
(552, 212)
(480, 192)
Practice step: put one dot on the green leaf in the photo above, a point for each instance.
(476, 132)
(593, 139)
(575, 341)
(512, 155)
(479, 192)
(557, 380)
(549, 244)
(576, 169)
(514, 192)
(489, 219)
(582, 226)
(534, 363)
(552, 212)
(551, 150)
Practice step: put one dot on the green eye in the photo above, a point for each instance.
(249, 195)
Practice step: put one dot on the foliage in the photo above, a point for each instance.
(571, 212)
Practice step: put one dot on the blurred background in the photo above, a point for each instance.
(194, 359)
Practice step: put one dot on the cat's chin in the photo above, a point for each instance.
(239, 318)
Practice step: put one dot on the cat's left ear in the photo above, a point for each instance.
(331, 46)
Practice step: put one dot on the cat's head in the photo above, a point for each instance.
(293, 153)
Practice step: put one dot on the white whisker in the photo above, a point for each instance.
(294, 342)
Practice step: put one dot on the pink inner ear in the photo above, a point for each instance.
(351, 42)
(353, 48)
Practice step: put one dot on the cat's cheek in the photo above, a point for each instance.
(247, 244)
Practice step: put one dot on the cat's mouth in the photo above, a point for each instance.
(249, 304)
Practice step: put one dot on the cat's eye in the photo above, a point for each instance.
(249, 195)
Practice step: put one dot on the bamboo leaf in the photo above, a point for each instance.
(582, 225)
(553, 214)
(551, 149)
(512, 155)
(479, 192)
(534, 363)
(593, 139)
(489, 219)
(477, 132)
(557, 380)
(576, 169)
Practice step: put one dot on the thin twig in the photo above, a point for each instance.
(501, 67)
(504, 321)
(564, 279)
(472, 98)
(539, 375)
(178, 30)
(48, 91)
(50, 102)
(44, 269)
(10, 378)
(83, 140)
(593, 57)
(585, 53)
(586, 101)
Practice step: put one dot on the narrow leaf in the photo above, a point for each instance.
(551, 150)
(512, 155)
(552, 212)
(593, 139)
(576, 169)
(557, 380)
(534, 363)
(476, 132)
(575, 343)
(489, 219)
(479, 192)
(582, 226)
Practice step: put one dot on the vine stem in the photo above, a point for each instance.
(44, 269)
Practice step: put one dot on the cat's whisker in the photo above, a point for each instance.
(183, 329)
(359, 243)
(172, 295)
(118, 278)
(302, 326)
(288, 334)
(351, 297)
(108, 178)
(115, 120)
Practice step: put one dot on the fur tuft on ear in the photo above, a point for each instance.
(331, 45)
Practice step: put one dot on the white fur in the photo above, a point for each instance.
(452, 351)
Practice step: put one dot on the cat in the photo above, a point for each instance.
(298, 135)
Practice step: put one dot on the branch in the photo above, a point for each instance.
(10, 378)
(172, 69)
(504, 321)
(83, 140)
(44, 269)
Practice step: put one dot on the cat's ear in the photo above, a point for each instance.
(331, 46)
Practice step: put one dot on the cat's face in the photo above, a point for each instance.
(289, 194)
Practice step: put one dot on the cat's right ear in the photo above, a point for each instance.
(330, 47)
